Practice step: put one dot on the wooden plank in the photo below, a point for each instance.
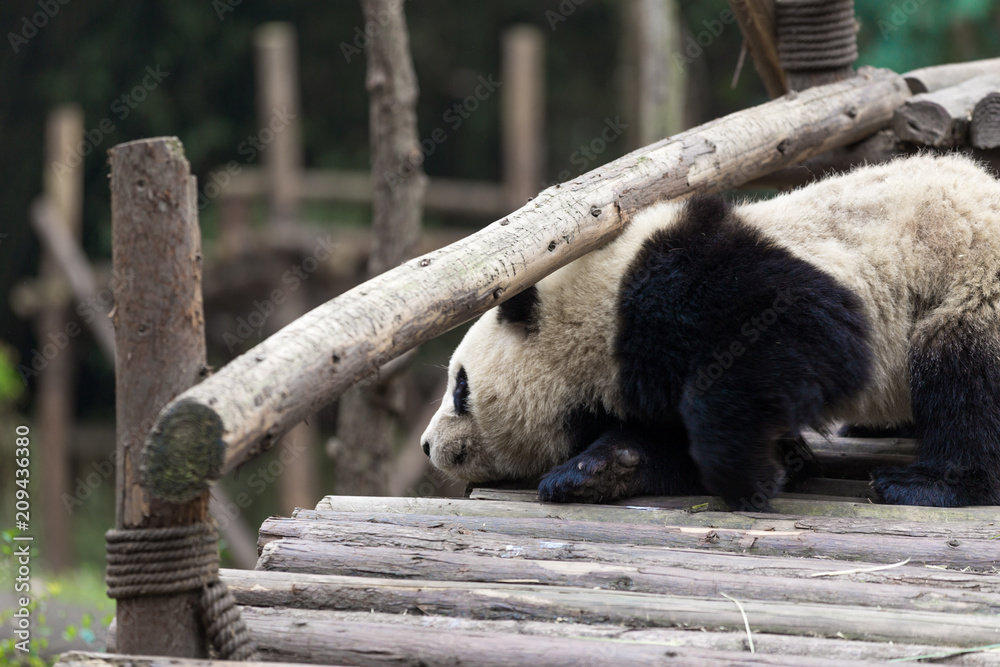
(313, 557)
(465, 507)
(294, 634)
(445, 535)
(929, 79)
(85, 659)
(242, 409)
(519, 601)
(977, 554)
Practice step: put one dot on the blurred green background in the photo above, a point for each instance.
(91, 52)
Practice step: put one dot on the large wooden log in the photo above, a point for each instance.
(936, 77)
(525, 601)
(300, 635)
(941, 118)
(246, 406)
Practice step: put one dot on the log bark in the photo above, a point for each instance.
(572, 542)
(310, 557)
(55, 395)
(159, 326)
(292, 634)
(531, 602)
(369, 412)
(941, 118)
(984, 128)
(692, 506)
(756, 21)
(776, 539)
(929, 79)
(242, 409)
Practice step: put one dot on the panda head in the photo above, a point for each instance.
(501, 416)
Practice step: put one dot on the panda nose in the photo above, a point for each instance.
(427, 448)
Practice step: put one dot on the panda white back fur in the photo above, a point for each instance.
(687, 354)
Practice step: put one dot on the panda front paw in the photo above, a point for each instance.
(592, 477)
(916, 484)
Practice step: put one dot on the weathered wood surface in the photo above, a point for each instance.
(984, 128)
(757, 23)
(929, 79)
(775, 539)
(160, 333)
(654, 516)
(293, 634)
(85, 659)
(526, 601)
(243, 408)
(941, 118)
(396, 563)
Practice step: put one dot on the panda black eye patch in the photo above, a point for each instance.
(461, 394)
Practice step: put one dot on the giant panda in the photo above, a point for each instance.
(685, 355)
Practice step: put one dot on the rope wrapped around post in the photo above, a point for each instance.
(164, 561)
(816, 34)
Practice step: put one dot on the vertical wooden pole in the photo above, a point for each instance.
(278, 111)
(368, 413)
(63, 184)
(756, 21)
(657, 85)
(160, 347)
(523, 113)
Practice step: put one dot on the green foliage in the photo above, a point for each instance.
(11, 386)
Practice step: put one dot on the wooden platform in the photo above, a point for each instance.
(501, 579)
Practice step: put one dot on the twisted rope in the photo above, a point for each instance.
(816, 34)
(167, 561)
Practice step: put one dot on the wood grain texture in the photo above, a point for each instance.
(534, 602)
(160, 347)
(242, 409)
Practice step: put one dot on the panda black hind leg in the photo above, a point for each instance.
(955, 394)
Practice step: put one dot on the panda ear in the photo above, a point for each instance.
(521, 310)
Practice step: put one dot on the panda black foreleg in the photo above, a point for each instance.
(955, 393)
(624, 462)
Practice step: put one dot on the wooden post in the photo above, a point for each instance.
(160, 337)
(244, 408)
(756, 21)
(64, 194)
(278, 111)
(522, 113)
(658, 85)
(369, 413)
